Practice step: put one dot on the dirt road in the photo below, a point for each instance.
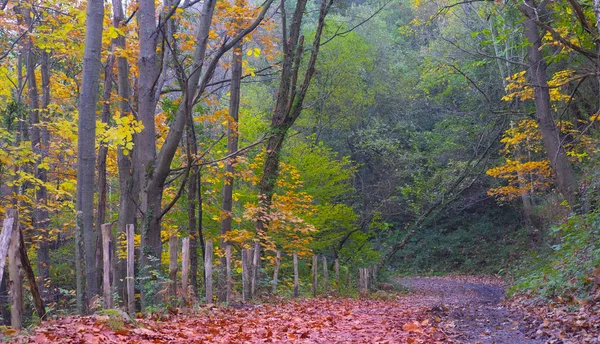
(470, 308)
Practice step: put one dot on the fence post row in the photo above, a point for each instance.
(10, 241)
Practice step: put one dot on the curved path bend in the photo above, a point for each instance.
(470, 308)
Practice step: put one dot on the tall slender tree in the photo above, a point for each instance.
(538, 76)
(232, 147)
(86, 140)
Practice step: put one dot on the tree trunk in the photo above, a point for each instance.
(289, 101)
(81, 298)
(38, 134)
(128, 186)
(41, 213)
(101, 163)
(145, 150)
(538, 77)
(192, 150)
(157, 168)
(232, 144)
(86, 136)
(38, 302)
(201, 242)
(596, 4)
(7, 228)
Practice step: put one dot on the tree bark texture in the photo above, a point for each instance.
(86, 136)
(16, 280)
(7, 228)
(232, 145)
(538, 77)
(290, 97)
(128, 187)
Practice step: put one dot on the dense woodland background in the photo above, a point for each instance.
(418, 137)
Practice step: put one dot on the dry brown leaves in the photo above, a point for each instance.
(300, 321)
(561, 322)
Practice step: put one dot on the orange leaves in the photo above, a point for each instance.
(526, 170)
(523, 178)
(302, 321)
(518, 87)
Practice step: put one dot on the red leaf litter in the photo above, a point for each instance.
(335, 320)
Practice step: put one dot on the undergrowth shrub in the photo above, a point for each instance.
(566, 269)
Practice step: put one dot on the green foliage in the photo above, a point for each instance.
(486, 241)
(566, 269)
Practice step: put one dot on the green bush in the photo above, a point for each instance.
(481, 242)
(565, 269)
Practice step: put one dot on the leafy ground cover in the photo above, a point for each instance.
(325, 320)
(446, 309)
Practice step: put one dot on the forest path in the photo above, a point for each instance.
(469, 308)
(457, 309)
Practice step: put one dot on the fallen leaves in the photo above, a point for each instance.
(299, 321)
(561, 322)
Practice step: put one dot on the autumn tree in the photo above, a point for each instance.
(290, 97)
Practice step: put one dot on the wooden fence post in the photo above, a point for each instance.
(228, 277)
(245, 274)
(185, 268)
(130, 269)
(173, 250)
(325, 275)
(276, 271)
(14, 273)
(337, 271)
(362, 280)
(255, 268)
(315, 270)
(106, 257)
(208, 271)
(296, 284)
(5, 236)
